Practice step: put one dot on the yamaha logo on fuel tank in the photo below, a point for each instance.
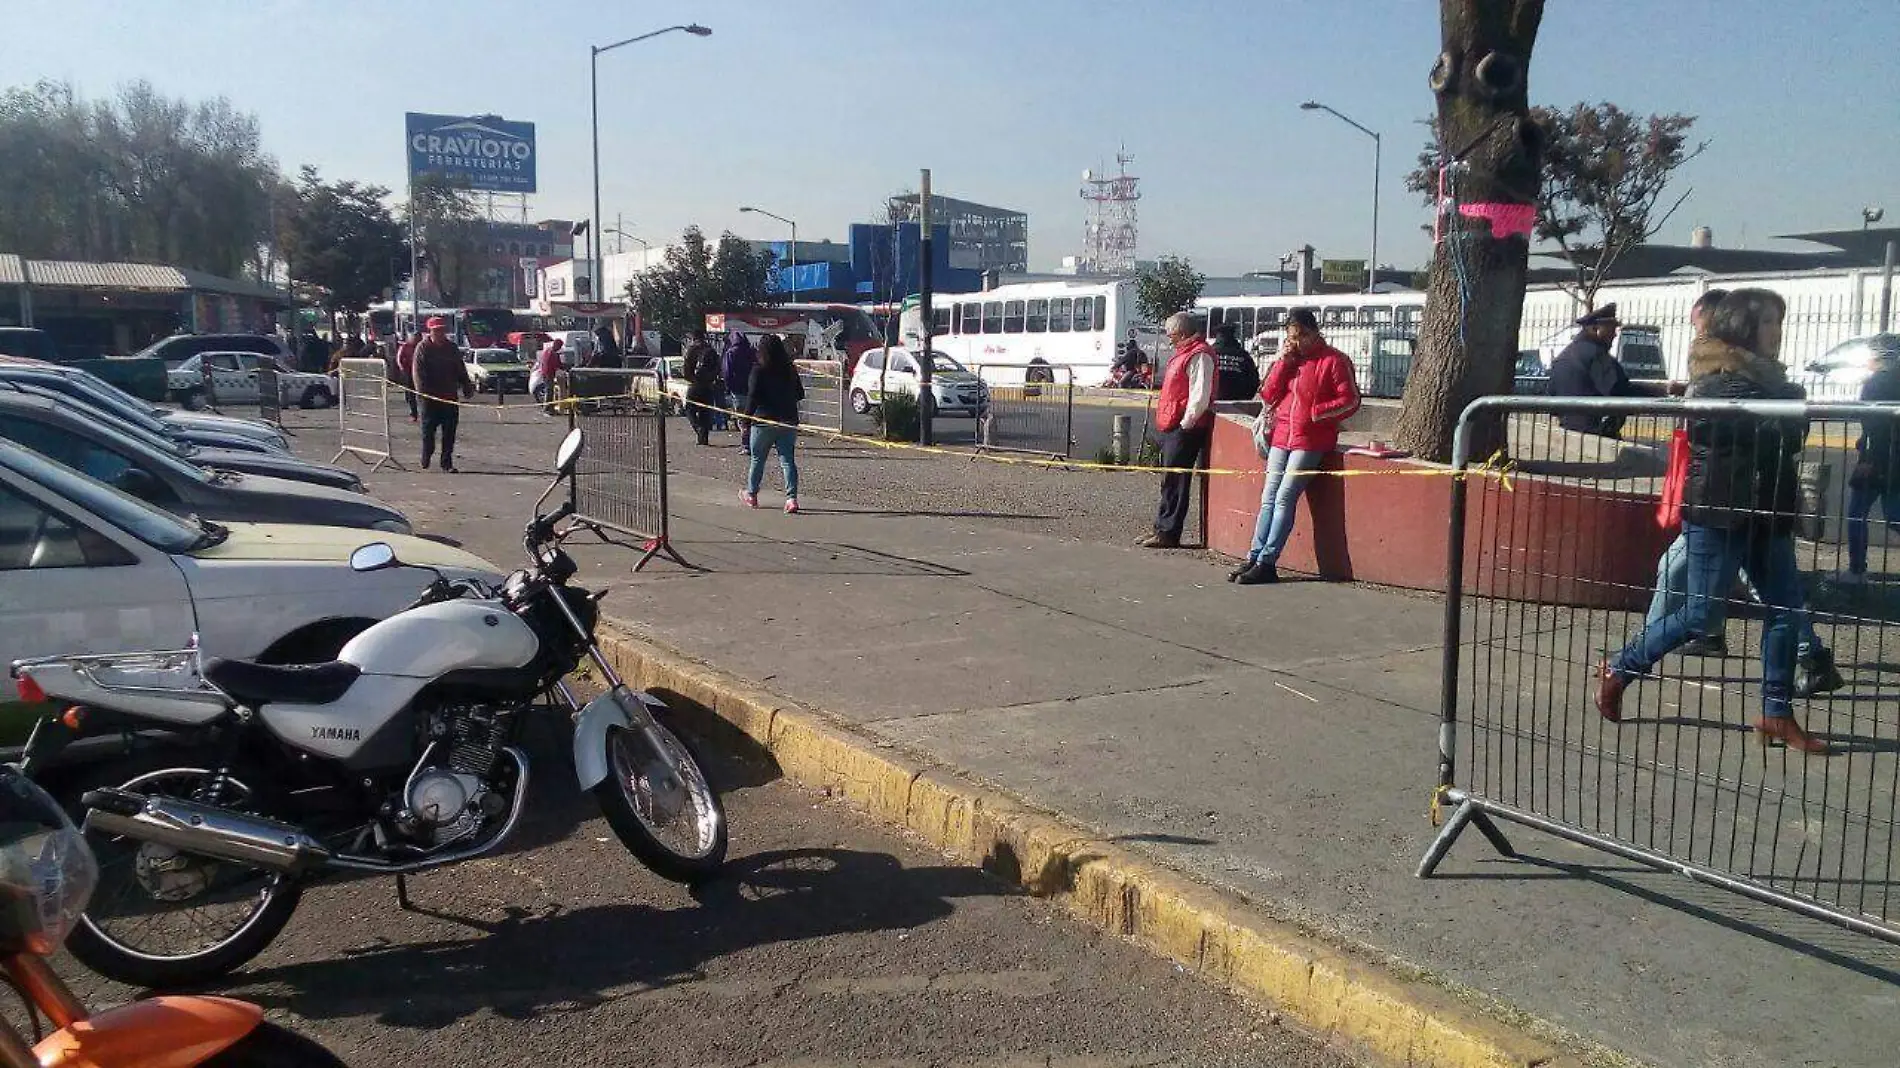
(475, 152)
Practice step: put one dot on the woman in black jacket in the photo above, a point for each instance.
(1739, 506)
(771, 407)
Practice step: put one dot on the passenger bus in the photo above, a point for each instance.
(471, 328)
(1011, 331)
(856, 332)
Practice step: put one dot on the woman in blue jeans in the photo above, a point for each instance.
(1308, 393)
(1739, 505)
(771, 409)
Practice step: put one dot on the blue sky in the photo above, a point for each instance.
(818, 109)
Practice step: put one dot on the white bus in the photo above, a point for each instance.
(1011, 330)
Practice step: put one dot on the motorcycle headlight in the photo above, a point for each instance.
(392, 526)
(47, 872)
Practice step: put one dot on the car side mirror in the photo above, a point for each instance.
(569, 453)
(138, 482)
(376, 556)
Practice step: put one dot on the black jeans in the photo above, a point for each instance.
(408, 383)
(1179, 448)
(445, 416)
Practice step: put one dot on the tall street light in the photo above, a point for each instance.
(593, 78)
(1372, 265)
(794, 249)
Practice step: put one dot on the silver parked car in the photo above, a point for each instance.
(163, 478)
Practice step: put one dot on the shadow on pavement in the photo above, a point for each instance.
(614, 951)
(874, 513)
(747, 553)
(1852, 952)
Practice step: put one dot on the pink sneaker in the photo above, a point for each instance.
(750, 500)
(791, 506)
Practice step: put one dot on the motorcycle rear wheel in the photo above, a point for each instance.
(109, 940)
(676, 828)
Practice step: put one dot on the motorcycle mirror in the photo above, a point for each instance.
(375, 556)
(569, 453)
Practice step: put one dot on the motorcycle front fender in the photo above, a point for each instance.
(619, 707)
(161, 1032)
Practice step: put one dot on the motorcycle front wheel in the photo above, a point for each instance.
(675, 824)
(161, 918)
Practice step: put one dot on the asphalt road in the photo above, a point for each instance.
(828, 942)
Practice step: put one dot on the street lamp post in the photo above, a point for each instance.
(1372, 266)
(593, 83)
(794, 248)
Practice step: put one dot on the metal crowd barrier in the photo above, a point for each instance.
(1029, 409)
(620, 484)
(362, 407)
(270, 395)
(1558, 569)
(824, 383)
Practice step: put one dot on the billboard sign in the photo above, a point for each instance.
(482, 152)
(1343, 273)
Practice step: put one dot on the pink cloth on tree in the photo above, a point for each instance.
(1506, 220)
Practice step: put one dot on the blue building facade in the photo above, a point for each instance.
(881, 267)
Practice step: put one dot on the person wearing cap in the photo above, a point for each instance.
(1586, 368)
(441, 379)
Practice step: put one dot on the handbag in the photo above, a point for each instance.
(1669, 502)
(1263, 433)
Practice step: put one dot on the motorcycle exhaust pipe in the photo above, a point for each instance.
(205, 830)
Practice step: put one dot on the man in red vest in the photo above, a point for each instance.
(1184, 416)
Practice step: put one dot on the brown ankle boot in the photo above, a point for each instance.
(1785, 730)
(1610, 687)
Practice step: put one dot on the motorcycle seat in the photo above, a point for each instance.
(305, 684)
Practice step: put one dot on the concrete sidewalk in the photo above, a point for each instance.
(1277, 741)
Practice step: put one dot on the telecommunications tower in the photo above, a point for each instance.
(1111, 234)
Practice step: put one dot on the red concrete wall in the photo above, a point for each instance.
(1543, 540)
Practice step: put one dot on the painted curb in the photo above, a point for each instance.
(1373, 1010)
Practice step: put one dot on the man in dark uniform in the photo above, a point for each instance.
(1586, 368)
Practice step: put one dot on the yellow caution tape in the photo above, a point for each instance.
(1494, 466)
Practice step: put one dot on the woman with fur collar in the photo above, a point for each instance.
(1740, 501)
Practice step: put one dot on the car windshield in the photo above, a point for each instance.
(944, 364)
(496, 357)
(153, 526)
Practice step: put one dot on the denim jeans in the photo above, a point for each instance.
(759, 445)
(1672, 588)
(1716, 556)
(1860, 504)
(1280, 499)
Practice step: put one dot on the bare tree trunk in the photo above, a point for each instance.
(1476, 296)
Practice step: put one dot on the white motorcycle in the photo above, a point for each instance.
(397, 757)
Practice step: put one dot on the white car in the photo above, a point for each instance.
(672, 374)
(895, 370)
(496, 370)
(85, 568)
(234, 376)
(1838, 374)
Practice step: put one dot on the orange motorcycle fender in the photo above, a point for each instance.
(161, 1032)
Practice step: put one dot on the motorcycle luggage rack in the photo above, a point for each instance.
(90, 665)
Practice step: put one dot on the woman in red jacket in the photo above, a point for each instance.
(1308, 393)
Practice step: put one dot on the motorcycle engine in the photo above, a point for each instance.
(442, 804)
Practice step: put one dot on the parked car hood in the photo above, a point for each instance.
(302, 502)
(222, 424)
(276, 465)
(301, 543)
